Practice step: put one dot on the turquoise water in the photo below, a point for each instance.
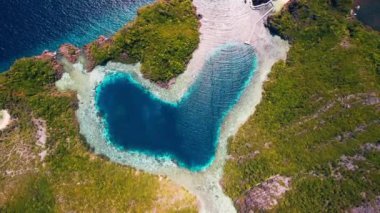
(186, 132)
(28, 27)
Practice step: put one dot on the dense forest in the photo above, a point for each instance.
(162, 37)
(62, 174)
(319, 114)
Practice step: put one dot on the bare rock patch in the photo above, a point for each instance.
(369, 207)
(265, 195)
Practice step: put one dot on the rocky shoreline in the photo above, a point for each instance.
(72, 53)
(51, 57)
(88, 49)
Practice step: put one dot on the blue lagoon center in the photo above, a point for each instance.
(186, 132)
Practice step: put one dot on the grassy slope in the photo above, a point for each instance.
(162, 37)
(71, 178)
(296, 125)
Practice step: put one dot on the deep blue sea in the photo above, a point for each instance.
(28, 27)
(187, 132)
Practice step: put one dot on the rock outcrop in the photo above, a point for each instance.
(70, 52)
(100, 43)
(369, 207)
(52, 58)
(265, 195)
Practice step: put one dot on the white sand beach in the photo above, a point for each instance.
(5, 119)
(222, 22)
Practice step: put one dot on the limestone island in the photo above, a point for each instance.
(199, 106)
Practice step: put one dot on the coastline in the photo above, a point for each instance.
(365, 12)
(69, 28)
(221, 23)
(323, 99)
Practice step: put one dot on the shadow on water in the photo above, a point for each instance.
(369, 12)
(185, 132)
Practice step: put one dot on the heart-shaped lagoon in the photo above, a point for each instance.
(186, 132)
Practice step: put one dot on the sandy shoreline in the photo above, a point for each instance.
(5, 119)
(223, 21)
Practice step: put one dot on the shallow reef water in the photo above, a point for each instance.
(219, 26)
(28, 27)
(187, 131)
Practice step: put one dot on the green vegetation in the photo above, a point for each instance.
(316, 108)
(28, 76)
(162, 37)
(327, 194)
(71, 178)
(36, 196)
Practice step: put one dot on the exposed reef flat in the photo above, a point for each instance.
(319, 109)
(312, 145)
(186, 132)
(46, 165)
(5, 119)
(222, 22)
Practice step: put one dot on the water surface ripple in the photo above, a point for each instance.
(28, 27)
(185, 132)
